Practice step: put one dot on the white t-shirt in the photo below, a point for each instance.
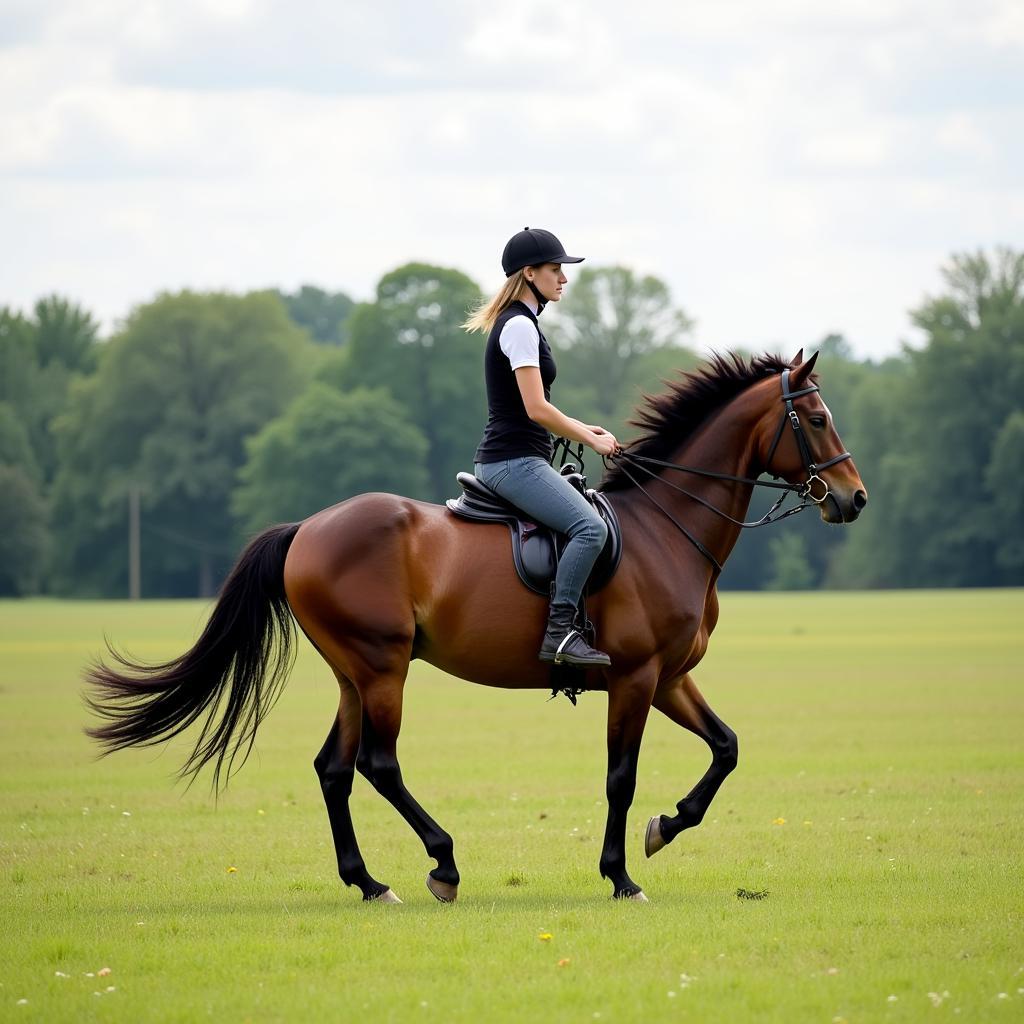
(520, 341)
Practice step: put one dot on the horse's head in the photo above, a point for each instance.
(798, 442)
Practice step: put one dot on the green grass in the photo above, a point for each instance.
(885, 729)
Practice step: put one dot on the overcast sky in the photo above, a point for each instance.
(790, 167)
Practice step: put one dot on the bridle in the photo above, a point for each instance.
(812, 468)
(804, 491)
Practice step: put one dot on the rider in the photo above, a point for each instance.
(513, 458)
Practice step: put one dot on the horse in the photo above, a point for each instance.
(380, 580)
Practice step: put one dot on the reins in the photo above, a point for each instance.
(805, 490)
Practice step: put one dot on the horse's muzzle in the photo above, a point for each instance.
(843, 508)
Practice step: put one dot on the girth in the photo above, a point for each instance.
(536, 548)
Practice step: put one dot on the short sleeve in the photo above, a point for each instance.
(520, 341)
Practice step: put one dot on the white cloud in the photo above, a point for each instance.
(790, 169)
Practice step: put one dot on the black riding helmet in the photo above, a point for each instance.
(530, 248)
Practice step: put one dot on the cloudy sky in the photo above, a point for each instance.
(789, 167)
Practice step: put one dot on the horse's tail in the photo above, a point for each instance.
(241, 660)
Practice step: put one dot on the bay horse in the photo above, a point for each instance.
(379, 580)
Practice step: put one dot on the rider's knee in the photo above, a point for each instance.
(593, 531)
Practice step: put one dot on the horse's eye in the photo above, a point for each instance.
(817, 422)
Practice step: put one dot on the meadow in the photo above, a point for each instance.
(877, 803)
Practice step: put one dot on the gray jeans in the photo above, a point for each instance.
(531, 484)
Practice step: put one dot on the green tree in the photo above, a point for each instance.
(410, 341)
(935, 434)
(328, 446)
(874, 429)
(17, 353)
(790, 568)
(324, 314)
(177, 392)
(968, 381)
(15, 447)
(616, 334)
(65, 334)
(24, 537)
(38, 358)
(1004, 478)
(66, 346)
(19, 367)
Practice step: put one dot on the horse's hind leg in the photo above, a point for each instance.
(378, 761)
(684, 704)
(335, 767)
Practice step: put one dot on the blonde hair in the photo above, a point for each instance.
(484, 316)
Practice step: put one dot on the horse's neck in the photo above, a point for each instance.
(726, 444)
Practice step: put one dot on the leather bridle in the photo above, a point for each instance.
(804, 491)
(810, 466)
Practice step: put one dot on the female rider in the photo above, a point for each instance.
(513, 458)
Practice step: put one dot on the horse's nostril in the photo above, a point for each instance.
(860, 499)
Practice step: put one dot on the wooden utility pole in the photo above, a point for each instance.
(134, 545)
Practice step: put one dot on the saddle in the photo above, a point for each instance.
(536, 548)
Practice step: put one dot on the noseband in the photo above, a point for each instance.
(804, 491)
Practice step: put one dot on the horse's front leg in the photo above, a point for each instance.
(684, 704)
(629, 701)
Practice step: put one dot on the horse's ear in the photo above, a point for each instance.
(798, 358)
(800, 375)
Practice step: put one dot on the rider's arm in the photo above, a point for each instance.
(541, 411)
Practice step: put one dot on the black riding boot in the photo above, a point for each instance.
(564, 644)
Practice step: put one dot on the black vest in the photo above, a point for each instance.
(510, 433)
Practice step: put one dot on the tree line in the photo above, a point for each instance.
(224, 413)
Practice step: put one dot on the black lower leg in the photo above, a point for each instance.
(629, 701)
(379, 763)
(691, 809)
(336, 774)
(620, 788)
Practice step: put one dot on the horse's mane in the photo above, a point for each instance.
(670, 417)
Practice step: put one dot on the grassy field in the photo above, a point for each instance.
(877, 800)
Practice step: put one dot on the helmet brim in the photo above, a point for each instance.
(558, 257)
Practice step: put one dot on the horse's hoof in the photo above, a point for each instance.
(442, 891)
(384, 896)
(653, 840)
(637, 895)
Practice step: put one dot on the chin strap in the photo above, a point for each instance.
(541, 301)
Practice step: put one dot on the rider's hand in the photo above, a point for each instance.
(603, 442)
